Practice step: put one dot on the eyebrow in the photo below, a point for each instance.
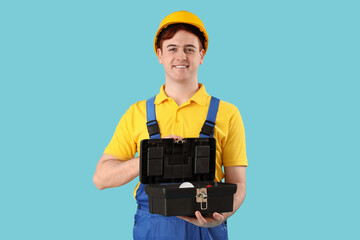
(173, 45)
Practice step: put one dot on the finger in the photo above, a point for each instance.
(200, 218)
(174, 137)
(218, 216)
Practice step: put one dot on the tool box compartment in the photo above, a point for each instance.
(166, 163)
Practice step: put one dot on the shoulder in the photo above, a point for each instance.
(135, 111)
(137, 108)
(227, 108)
(140, 105)
(228, 115)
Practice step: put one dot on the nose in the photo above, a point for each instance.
(181, 56)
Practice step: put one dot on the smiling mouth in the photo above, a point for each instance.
(181, 67)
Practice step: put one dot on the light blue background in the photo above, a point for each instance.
(70, 69)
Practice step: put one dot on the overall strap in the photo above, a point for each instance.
(209, 124)
(152, 125)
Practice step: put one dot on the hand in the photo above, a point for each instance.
(176, 137)
(208, 222)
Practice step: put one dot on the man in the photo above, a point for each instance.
(181, 109)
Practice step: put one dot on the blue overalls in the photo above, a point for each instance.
(153, 226)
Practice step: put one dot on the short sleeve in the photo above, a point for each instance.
(122, 144)
(234, 150)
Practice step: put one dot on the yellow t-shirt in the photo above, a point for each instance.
(185, 121)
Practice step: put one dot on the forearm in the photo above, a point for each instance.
(239, 197)
(114, 172)
(236, 175)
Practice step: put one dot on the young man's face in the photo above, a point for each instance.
(181, 56)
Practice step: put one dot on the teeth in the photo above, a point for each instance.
(180, 66)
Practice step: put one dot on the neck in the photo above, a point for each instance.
(181, 92)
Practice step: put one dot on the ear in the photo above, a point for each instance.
(202, 53)
(159, 55)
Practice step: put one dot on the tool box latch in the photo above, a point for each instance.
(201, 197)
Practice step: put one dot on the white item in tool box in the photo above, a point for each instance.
(186, 185)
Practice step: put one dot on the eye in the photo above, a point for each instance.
(172, 49)
(189, 50)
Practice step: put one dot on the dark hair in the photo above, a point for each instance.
(169, 32)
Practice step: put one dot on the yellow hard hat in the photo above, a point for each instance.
(182, 17)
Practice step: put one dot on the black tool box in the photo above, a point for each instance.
(166, 163)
